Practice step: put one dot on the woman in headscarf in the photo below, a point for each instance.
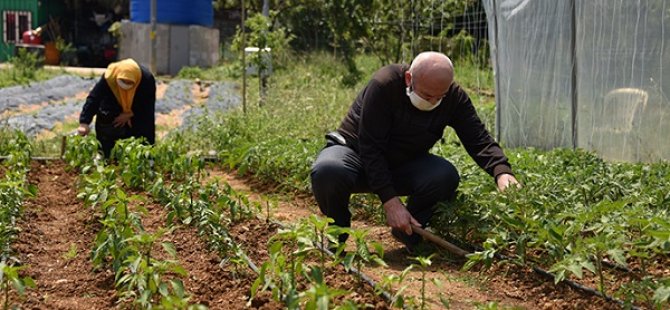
(123, 102)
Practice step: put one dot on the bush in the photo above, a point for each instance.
(24, 66)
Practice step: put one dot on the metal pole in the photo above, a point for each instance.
(266, 8)
(496, 73)
(63, 144)
(413, 16)
(262, 70)
(573, 43)
(244, 62)
(152, 36)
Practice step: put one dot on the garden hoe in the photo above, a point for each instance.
(439, 241)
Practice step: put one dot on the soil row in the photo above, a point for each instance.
(503, 285)
(57, 234)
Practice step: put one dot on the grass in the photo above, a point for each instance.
(24, 68)
(11, 77)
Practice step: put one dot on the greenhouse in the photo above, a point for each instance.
(584, 74)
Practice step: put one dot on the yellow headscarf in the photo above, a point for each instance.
(126, 69)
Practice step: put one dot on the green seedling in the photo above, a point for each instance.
(10, 279)
(320, 295)
(424, 263)
(362, 254)
(80, 152)
(388, 283)
(71, 252)
(142, 277)
(135, 161)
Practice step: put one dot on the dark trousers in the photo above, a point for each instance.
(338, 172)
(107, 134)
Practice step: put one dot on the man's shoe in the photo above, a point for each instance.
(333, 248)
(411, 242)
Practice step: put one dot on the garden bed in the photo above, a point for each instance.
(57, 235)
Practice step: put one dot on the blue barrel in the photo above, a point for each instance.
(179, 12)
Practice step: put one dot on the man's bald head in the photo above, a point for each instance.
(432, 73)
(433, 65)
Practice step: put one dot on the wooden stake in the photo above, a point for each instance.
(63, 142)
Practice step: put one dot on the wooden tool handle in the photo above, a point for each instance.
(439, 241)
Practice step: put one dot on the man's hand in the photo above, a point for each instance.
(83, 129)
(505, 180)
(123, 119)
(398, 217)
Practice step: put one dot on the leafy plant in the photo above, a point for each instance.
(388, 282)
(424, 262)
(97, 187)
(319, 295)
(135, 160)
(362, 253)
(143, 277)
(119, 226)
(71, 252)
(262, 33)
(80, 152)
(10, 279)
(24, 66)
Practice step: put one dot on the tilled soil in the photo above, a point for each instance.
(57, 234)
(209, 283)
(505, 286)
(54, 244)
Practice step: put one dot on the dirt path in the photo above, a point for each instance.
(209, 283)
(57, 235)
(503, 286)
(54, 243)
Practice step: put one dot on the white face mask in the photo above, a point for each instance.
(123, 85)
(420, 103)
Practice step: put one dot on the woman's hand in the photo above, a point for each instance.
(83, 129)
(123, 119)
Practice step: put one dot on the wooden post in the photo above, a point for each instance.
(63, 143)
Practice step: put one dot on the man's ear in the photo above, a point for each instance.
(408, 78)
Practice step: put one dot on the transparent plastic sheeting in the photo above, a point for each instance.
(593, 74)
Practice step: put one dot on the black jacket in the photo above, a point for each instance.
(102, 103)
(386, 130)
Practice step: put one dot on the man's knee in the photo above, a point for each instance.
(444, 178)
(327, 174)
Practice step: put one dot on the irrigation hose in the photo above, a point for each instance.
(360, 274)
(384, 293)
(460, 252)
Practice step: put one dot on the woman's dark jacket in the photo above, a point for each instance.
(102, 103)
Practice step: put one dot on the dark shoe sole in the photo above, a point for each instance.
(410, 241)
